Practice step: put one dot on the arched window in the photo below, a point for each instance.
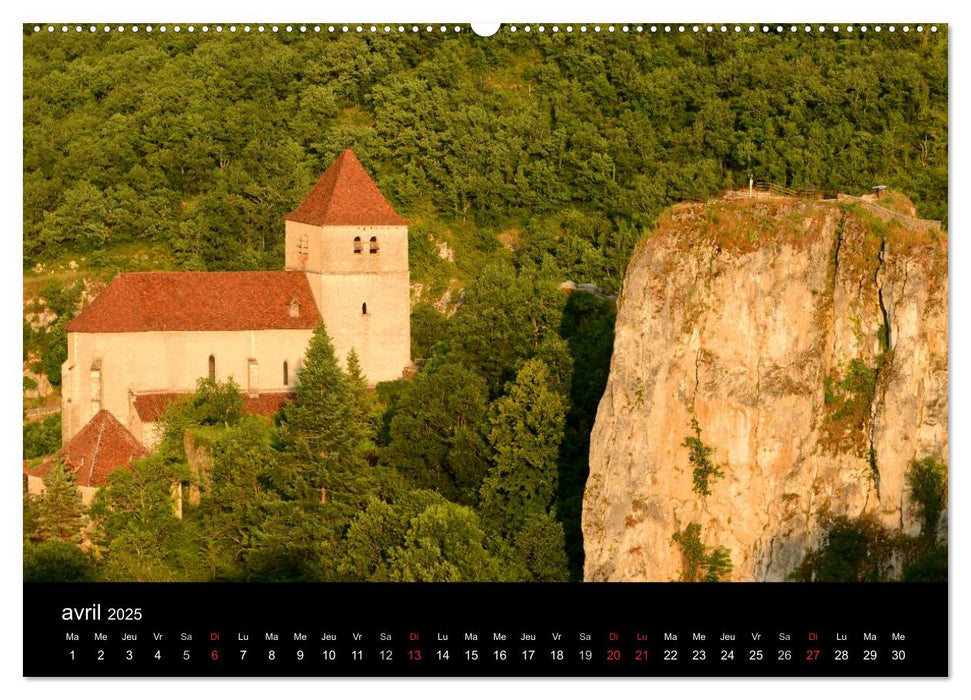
(212, 367)
(364, 308)
(357, 244)
(286, 374)
(374, 244)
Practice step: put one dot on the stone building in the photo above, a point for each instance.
(149, 337)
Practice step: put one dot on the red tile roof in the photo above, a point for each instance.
(99, 448)
(199, 301)
(345, 195)
(150, 407)
(266, 404)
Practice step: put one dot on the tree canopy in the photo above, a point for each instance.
(198, 144)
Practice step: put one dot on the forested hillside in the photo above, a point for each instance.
(520, 161)
(199, 144)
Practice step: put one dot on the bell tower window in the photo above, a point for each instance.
(364, 308)
(374, 244)
(303, 248)
(212, 367)
(357, 244)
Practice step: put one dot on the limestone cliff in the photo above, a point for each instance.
(808, 339)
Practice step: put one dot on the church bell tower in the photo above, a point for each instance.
(353, 247)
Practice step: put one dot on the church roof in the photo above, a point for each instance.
(345, 195)
(99, 448)
(200, 301)
(151, 406)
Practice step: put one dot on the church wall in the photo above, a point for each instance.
(382, 336)
(169, 361)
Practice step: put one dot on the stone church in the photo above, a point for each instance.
(149, 337)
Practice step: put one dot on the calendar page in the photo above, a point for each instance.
(526, 349)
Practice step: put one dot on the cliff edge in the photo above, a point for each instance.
(777, 361)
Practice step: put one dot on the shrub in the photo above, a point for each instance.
(700, 457)
(927, 482)
(854, 550)
(43, 437)
(932, 566)
(701, 563)
(56, 561)
(848, 399)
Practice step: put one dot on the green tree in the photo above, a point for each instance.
(719, 564)
(594, 137)
(60, 513)
(295, 543)
(137, 525)
(444, 543)
(436, 432)
(554, 352)
(370, 537)
(213, 405)
(502, 321)
(217, 403)
(527, 427)
(927, 482)
(428, 328)
(380, 529)
(42, 437)
(361, 406)
(540, 548)
(57, 561)
(80, 218)
(54, 353)
(239, 497)
(319, 424)
(693, 552)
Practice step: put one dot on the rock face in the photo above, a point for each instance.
(808, 339)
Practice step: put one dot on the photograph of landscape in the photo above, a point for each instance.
(410, 305)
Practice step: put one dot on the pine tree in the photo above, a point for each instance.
(326, 434)
(362, 412)
(316, 424)
(136, 523)
(527, 427)
(60, 512)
